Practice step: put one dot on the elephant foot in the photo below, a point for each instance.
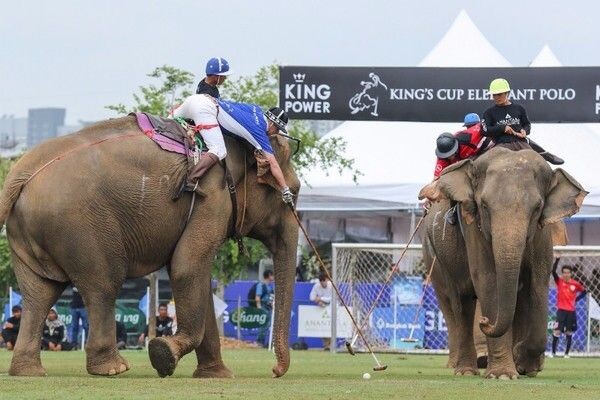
(162, 357)
(114, 366)
(217, 371)
(503, 373)
(26, 369)
(466, 371)
(482, 362)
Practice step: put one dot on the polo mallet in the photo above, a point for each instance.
(410, 338)
(379, 366)
(350, 345)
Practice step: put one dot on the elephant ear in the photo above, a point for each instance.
(564, 198)
(558, 231)
(455, 183)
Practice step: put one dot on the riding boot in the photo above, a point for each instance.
(195, 172)
(551, 158)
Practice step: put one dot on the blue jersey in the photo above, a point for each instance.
(246, 121)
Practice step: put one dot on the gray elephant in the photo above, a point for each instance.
(95, 208)
(500, 253)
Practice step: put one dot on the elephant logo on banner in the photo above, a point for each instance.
(368, 98)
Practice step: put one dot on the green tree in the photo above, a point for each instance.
(174, 86)
(261, 88)
(7, 275)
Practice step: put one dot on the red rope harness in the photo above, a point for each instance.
(75, 149)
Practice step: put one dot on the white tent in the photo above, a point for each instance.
(545, 58)
(462, 42)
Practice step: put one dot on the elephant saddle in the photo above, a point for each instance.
(169, 134)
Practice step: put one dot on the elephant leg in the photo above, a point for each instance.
(531, 322)
(467, 358)
(208, 354)
(39, 294)
(444, 303)
(500, 359)
(190, 281)
(102, 355)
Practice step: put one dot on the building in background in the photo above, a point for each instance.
(13, 135)
(43, 124)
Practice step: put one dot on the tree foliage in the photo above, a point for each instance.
(174, 86)
(7, 274)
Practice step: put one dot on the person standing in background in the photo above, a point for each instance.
(78, 313)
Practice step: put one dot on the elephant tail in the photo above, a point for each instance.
(13, 185)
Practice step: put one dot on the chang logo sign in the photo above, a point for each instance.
(368, 97)
(250, 317)
(303, 97)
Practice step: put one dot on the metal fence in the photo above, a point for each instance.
(405, 315)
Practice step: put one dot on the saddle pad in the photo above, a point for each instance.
(162, 133)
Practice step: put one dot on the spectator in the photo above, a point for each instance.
(566, 297)
(121, 335)
(78, 312)
(321, 295)
(10, 330)
(164, 324)
(264, 300)
(54, 332)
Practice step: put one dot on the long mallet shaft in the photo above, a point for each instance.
(379, 366)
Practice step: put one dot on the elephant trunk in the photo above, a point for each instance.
(508, 248)
(284, 259)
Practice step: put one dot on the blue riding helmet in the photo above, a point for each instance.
(471, 119)
(218, 66)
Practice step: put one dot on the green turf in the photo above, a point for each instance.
(313, 375)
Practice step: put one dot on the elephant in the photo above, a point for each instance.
(499, 253)
(96, 207)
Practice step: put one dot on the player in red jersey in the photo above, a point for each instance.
(566, 297)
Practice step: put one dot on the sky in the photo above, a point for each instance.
(84, 55)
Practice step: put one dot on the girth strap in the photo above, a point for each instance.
(230, 183)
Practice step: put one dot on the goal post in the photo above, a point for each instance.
(407, 318)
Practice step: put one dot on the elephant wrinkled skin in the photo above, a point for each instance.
(103, 213)
(503, 257)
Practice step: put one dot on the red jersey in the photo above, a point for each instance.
(566, 293)
(469, 144)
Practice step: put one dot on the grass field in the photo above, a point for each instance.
(313, 375)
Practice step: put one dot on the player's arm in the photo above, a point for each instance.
(554, 267)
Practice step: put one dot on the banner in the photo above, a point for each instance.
(250, 317)
(557, 94)
(315, 321)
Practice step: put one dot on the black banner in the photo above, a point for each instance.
(557, 94)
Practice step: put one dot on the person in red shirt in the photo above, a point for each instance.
(464, 144)
(566, 297)
(451, 149)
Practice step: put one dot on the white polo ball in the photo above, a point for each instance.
(366, 375)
